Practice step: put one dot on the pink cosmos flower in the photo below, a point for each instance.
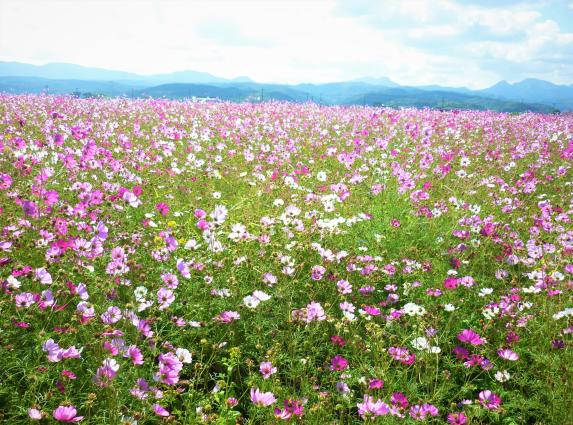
(160, 411)
(227, 317)
(342, 388)
(66, 414)
(267, 369)
(165, 298)
(30, 209)
(344, 287)
(68, 374)
(507, 354)
(420, 412)
(131, 199)
(71, 353)
(5, 181)
(183, 268)
(134, 354)
(170, 280)
(169, 368)
(262, 399)
(199, 213)
(317, 272)
(402, 354)
(111, 316)
(270, 279)
(34, 414)
(338, 340)
(51, 197)
(470, 337)
(106, 372)
(314, 311)
(370, 408)
(24, 300)
(56, 353)
(43, 276)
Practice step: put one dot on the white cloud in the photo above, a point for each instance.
(411, 41)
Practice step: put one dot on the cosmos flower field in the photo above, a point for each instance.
(182, 262)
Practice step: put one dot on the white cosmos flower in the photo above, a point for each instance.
(485, 291)
(184, 355)
(563, 313)
(13, 282)
(192, 244)
(261, 295)
(502, 375)
(420, 343)
(251, 302)
(413, 309)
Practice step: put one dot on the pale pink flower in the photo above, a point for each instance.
(267, 369)
(262, 399)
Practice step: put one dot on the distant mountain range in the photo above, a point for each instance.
(527, 95)
(67, 71)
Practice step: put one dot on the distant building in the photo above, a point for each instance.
(205, 99)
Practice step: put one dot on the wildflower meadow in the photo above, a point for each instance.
(186, 263)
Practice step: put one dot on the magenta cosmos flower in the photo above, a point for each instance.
(338, 363)
(470, 337)
(67, 414)
(489, 400)
(376, 384)
(30, 208)
(163, 208)
(262, 399)
(291, 408)
(451, 282)
(458, 418)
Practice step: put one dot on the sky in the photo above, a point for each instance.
(448, 42)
